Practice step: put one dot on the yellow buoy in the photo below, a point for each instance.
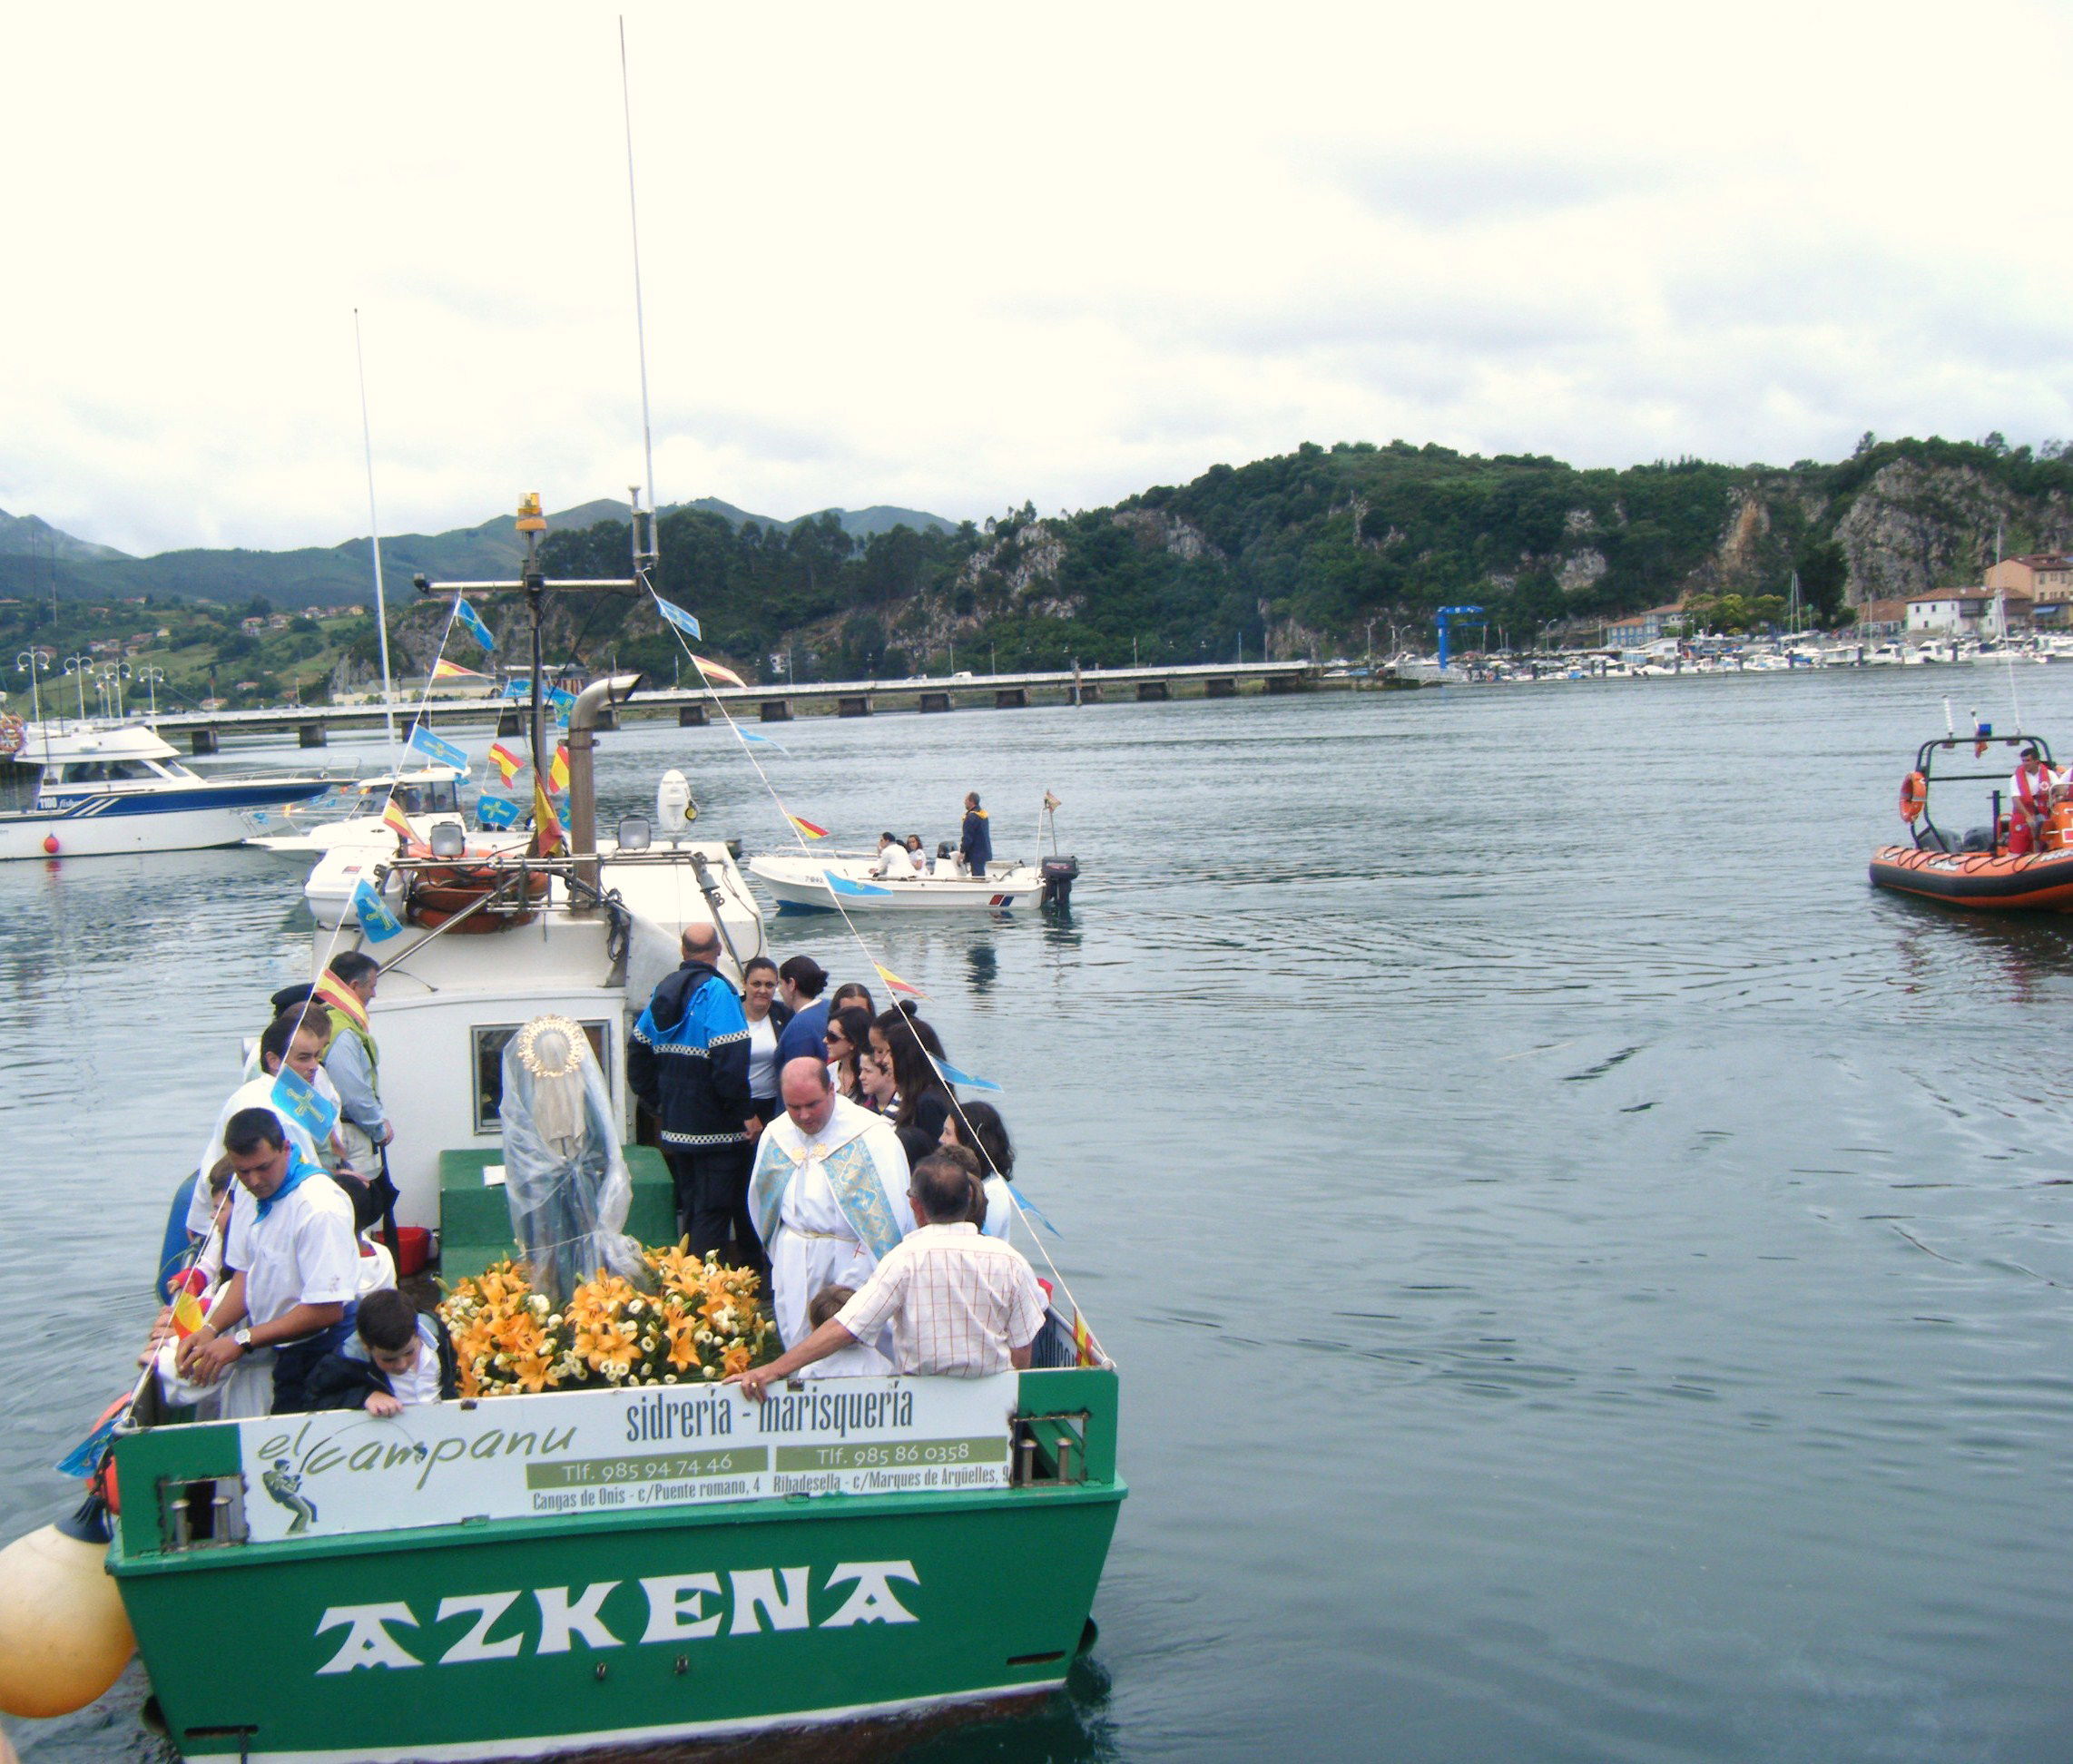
(65, 1637)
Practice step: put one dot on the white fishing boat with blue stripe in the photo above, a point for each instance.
(91, 790)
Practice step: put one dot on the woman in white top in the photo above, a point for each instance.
(760, 986)
(978, 1128)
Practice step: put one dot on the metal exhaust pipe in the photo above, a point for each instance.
(614, 690)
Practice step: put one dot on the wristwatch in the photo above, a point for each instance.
(244, 1338)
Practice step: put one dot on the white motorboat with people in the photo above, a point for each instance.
(357, 814)
(900, 879)
(821, 882)
(90, 788)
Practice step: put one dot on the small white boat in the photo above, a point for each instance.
(818, 883)
(351, 814)
(88, 789)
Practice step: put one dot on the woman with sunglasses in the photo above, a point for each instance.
(848, 1037)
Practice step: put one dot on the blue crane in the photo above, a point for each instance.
(1440, 619)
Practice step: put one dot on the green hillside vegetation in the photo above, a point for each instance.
(1325, 550)
(1339, 551)
(202, 651)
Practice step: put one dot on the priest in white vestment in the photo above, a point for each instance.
(829, 1193)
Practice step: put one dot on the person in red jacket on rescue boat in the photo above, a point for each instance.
(2034, 791)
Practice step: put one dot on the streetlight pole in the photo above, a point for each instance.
(151, 677)
(76, 666)
(33, 664)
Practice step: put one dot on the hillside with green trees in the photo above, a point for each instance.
(1326, 550)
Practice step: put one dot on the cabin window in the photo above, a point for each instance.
(489, 1043)
(18, 787)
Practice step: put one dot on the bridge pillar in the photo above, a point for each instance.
(311, 734)
(853, 707)
(607, 717)
(1011, 698)
(1152, 692)
(1220, 688)
(203, 741)
(1287, 683)
(691, 715)
(1089, 692)
(777, 710)
(510, 724)
(931, 701)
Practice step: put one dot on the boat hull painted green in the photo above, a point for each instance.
(526, 1637)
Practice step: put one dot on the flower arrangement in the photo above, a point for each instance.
(699, 1324)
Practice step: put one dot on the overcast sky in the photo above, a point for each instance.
(955, 258)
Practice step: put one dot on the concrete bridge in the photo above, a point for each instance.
(207, 730)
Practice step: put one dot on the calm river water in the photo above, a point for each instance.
(1592, 1280)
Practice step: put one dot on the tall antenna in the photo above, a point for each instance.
(646, 554)
(374, 543)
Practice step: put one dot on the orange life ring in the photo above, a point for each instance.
(438, 895)
(1914, 796)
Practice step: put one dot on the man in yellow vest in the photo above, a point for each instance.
(352, 1061)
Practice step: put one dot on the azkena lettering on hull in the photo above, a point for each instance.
(664, 1609)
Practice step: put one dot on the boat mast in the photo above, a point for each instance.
(374, 544)
(645, 552)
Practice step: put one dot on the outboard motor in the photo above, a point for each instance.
(675, 810)
(1057, 874)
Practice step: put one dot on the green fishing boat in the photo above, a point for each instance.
(526, 1575)
(517, 1576)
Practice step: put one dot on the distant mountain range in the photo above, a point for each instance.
(36, 557)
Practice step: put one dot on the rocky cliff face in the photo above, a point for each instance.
(1915, 528)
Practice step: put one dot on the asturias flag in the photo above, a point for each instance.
(439, 752)
(304, 1103)
(467, 616)
(677, 616)
(376, 921)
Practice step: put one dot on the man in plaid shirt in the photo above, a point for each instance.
(961, 1305)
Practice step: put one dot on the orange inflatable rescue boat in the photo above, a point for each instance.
(1994, 869)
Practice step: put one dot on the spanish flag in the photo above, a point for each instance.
(558, 773)
(807, 829)
(897, 986)
(713, 671)
(548, 838)
(445, 669)
(399, 823)
(506, 761)
(1083, 1340)
(340, 997)
(187, 1314)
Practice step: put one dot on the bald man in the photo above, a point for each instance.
(687, 1062)
(828, 1194)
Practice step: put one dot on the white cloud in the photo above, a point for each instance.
(954, 258)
